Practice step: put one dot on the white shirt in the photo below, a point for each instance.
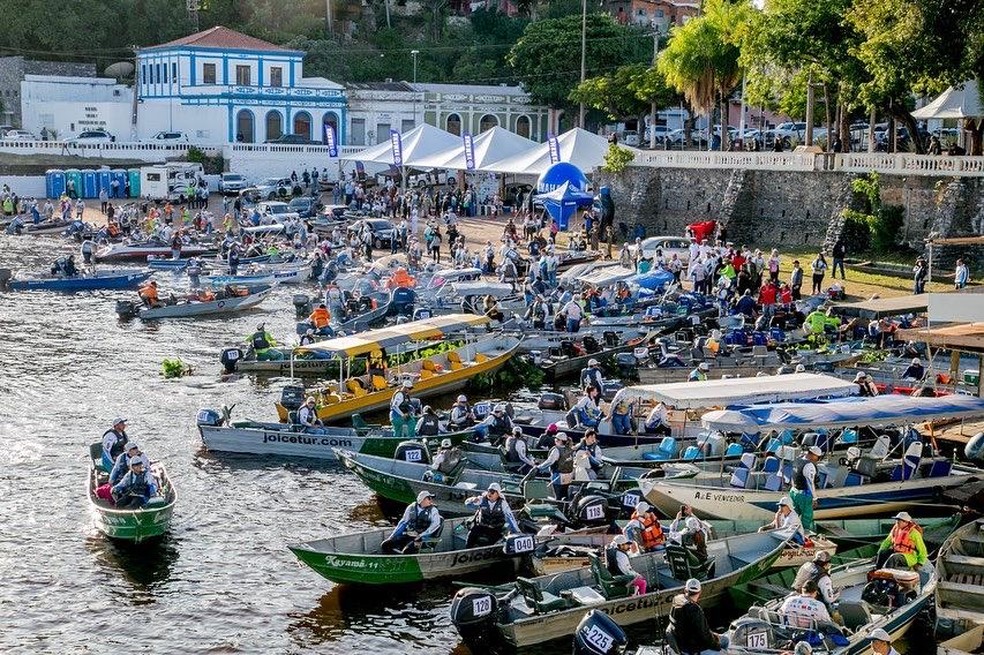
(572, 310)
(307, 415)
(658, 416)
(803, 611)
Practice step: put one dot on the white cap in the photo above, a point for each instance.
(692, 586)
(801, 369)
(592, 362)
(803, 648)
(859, 377)
(407, 384)
(642, 507)
(495, 486)
(310, 399)
(915, 361)
(561, 436)
(815, 450)
(785, 501)
(619, 539)
(118, 420)
(880, 635)
(693, 523)
(903, 516)
(462, 398)
(131, 445)
(499, 408)
(445, 443)
(136, 460)
(424, 494)
(704, 366)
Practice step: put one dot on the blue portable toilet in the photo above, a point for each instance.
(120, 176)
(54, 183)
(104, 176)
(73, 183)
(90, 183)
(134, 175)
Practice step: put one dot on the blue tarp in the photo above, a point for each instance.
(656, 278)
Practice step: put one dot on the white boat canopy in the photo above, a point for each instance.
(844, 412)
(603, 277)
(366, 342)
(739, 391)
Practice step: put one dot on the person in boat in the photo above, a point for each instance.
(803, 610)
(308, 337)
(866, 386)
(679, 523)
(376, 365)
(914, 371)
(644, 529)
(148, 294)
(819, 571)
(428, 425)
(87, 249)
(421, 520)
(462, 416)
(699, 374)
(538, 313)
(591, 377)
(135, 488)
(617, 562)
(492, 514)
(694, 538)
(786, 519)
(622, 416)
(546, 440)
(688, 628)
(264, 345)
(307, 414)
(658, 421)
(320, 318)
(122, 464)
(905, 539)
(497, 424)
(401, 411)
(446, 460)
(881, 642)
(114, 443)
(804, 490)
(515, 452)
(586, 410)
(589, 446)
(560, 463)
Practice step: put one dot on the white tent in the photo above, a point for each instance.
(962, 101)
(489, 146)
(419, 143)
(584, 149)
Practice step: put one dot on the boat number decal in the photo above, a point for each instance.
(594, 512)
(630, 500)
(718, 497)
(523, 544)
(475, 556)
(599, 639)
(277, 437)
(482, 606)
(757, 640)
(221, 304)
(233, 355)
(413, 455)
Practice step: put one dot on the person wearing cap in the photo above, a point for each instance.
(492, 514)
(516, 453)
(113, 443)
(679, 523)
(905, 539)
(308, 337)
(817, 570)
(622, 409)
(803, 610)
(694, 538)
(804, 491)
(497, 425)
(560, 463)
(446, 459)
(688, 628)
(135, 488)
(263, 345)
(881, 642)
(586, 409)
(307, 414)
(320, 318)
(617, 562)
(122, 464)
(591, 377)
(644, 529)
(428, 425)
(699, 374)
(421, 521)
(589, 445)
(537, 313)
(462, 416)
(914, 371)
(786, 519)
(546, 440)
(401, 411)
(865, 389)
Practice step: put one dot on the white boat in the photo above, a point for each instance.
(192, 308)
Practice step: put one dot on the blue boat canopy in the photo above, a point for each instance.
(844, 412)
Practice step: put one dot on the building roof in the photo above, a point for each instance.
(223, 38)
(483, 89)
(402, 87)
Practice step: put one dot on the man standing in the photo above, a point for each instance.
(837, 255)
(401, 412)
(420, 521)
(819, 572)
(804, 493)
(796, 281)
(113, 443)
(560, 463)
(591, 377)
(688, 625)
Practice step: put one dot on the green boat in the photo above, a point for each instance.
(135, 525)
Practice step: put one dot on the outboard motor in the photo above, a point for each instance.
(473, 613)
(403, 300)
(422, 313)
(611, 338)
(412, 451)
(302, 305)
(126, 309)
(591, 511)
(229, 358)
(591, 345)
(974, 450)
(598, 634)
(550, 400)
(292, 397)
(5, 275)
(482, 410)
(626, 363)
(210, 418)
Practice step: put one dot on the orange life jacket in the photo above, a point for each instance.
(149, 293)
(652, 531)
(902, 538)
(320, 318)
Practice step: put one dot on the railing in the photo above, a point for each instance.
(296, 148)
(779, 161)
(144, 151)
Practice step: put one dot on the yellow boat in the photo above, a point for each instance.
(438, 355)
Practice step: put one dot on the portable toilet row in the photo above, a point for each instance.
(89, 183)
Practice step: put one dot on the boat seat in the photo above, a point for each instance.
(428, 365)
(470, 486)
(454, 361)
(426, 374)
(378, 382)
(537, 488)
(356, 387)
(739, 478)
(734, 450)
(854, 479)
(771, 465)
(748, 461)
(584, 596)
(773, 446)
(481, 357)
(691, 453)
(541, 601)
(612, 586)
(773, 482)
(684, 563)
(854, 613)
(940, 469)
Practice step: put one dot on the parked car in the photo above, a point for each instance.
(19, 135)
(279, 211)
(169, 137)
(669, 245)
(231, 183)
(661, 131)
(383, 231)
(293, 139)
(270, 189)
(305, 206)
(93, 136)
(790, 131)
(6, 128)
(630, 138)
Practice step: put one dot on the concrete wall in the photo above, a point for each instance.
(12, 72)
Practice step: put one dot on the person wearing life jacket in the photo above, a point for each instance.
(122, 464)
(560, 463)
(699, 374)
(617, 562)
(419, 523)
(114, 443)
(307, 414)
(135, 488)
(497, 424)
(462, 416)
(320, 318)
(589, 445)
(644, 528)
(515, 452)
(148, 294)
(401, 411)
(492, 514)
(804, 491)
(264, 345)
(428, 425)
(447, 458)
(591, 377)
(688, 628)
(905, 539)
(819, 571)
(546, 440)
(588, 414)
(786, 519)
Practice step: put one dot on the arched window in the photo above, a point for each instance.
(244, 127)
(487, 123)
(331, 119)
(302, 124)
(454, 124)
(523, 126)
(274, 125)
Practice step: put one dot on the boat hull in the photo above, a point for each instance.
(108, 280)
(132, 525)
(210, 308)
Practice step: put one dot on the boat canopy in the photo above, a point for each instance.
(480, 288)
(605, 276)
(844, 412)
(366, 342)
(739, 391)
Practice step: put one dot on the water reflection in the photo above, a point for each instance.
(145, 566)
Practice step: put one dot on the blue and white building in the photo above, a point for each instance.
(223, 86)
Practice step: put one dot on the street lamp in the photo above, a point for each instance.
(584, 38)
(414, 53)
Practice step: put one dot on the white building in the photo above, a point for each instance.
(476, 108)
(377, 107)
(66, 106)
(221, 86)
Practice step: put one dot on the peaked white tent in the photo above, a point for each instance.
(419, 143)
(962, 101)
(584, 149)
(489, 146)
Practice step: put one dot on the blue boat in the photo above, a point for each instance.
(111, 279)
(181, 264)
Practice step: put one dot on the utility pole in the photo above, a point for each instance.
(328, 24)
(414, 54)
(809, 112)
(652, 105)
(584, 44)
